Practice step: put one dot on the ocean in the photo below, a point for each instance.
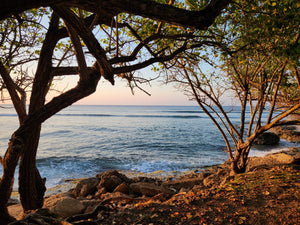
(81, 141)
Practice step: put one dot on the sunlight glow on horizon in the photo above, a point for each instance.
(121, 94)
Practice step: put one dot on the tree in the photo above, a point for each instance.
(121, 55)
(257, 63)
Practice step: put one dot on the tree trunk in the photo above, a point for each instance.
(239, 162)
(31, 185)
(238, 167)
(9, 163)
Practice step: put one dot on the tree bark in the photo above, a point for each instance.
(31, 185)
(147, 8)
(239, 162)
(9, 163)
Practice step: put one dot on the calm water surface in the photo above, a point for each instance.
(81, 141)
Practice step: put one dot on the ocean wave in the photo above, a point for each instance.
(182, 111)
(8, 115)
(84, 114)
(55, 133)
(131, 116)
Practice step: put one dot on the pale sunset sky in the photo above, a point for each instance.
(120, 93)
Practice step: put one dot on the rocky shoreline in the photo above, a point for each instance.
(113, 188)
(107, 194)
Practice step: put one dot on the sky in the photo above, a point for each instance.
(120, 93)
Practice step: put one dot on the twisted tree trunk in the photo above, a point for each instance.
(9, 163)
(31, 185)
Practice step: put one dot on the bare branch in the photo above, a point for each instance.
(275, 93)
(82, 67)
(90, 41)
(11, 87)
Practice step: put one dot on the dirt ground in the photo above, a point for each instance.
(268, 195)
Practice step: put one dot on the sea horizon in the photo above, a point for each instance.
(83, 140)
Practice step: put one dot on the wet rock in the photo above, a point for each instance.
(63, 206)
(86, 187)
(267, 138)
(148, 189)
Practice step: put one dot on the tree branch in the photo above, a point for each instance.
(90, 41)
(11, 87)
(43, 72)
(147, 8)
(82, 67)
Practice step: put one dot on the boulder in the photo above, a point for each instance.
(113, 173)
(111, 179)
(288, 132)
(109, 182)
(267, 138)
(285, 157)
(123, 188)
(282, 158)
(86, 187)
(64, 206)
(148, 189)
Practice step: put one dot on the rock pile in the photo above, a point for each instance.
(290, 133)
(96, 197)
(114, 187)
(105, 187)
